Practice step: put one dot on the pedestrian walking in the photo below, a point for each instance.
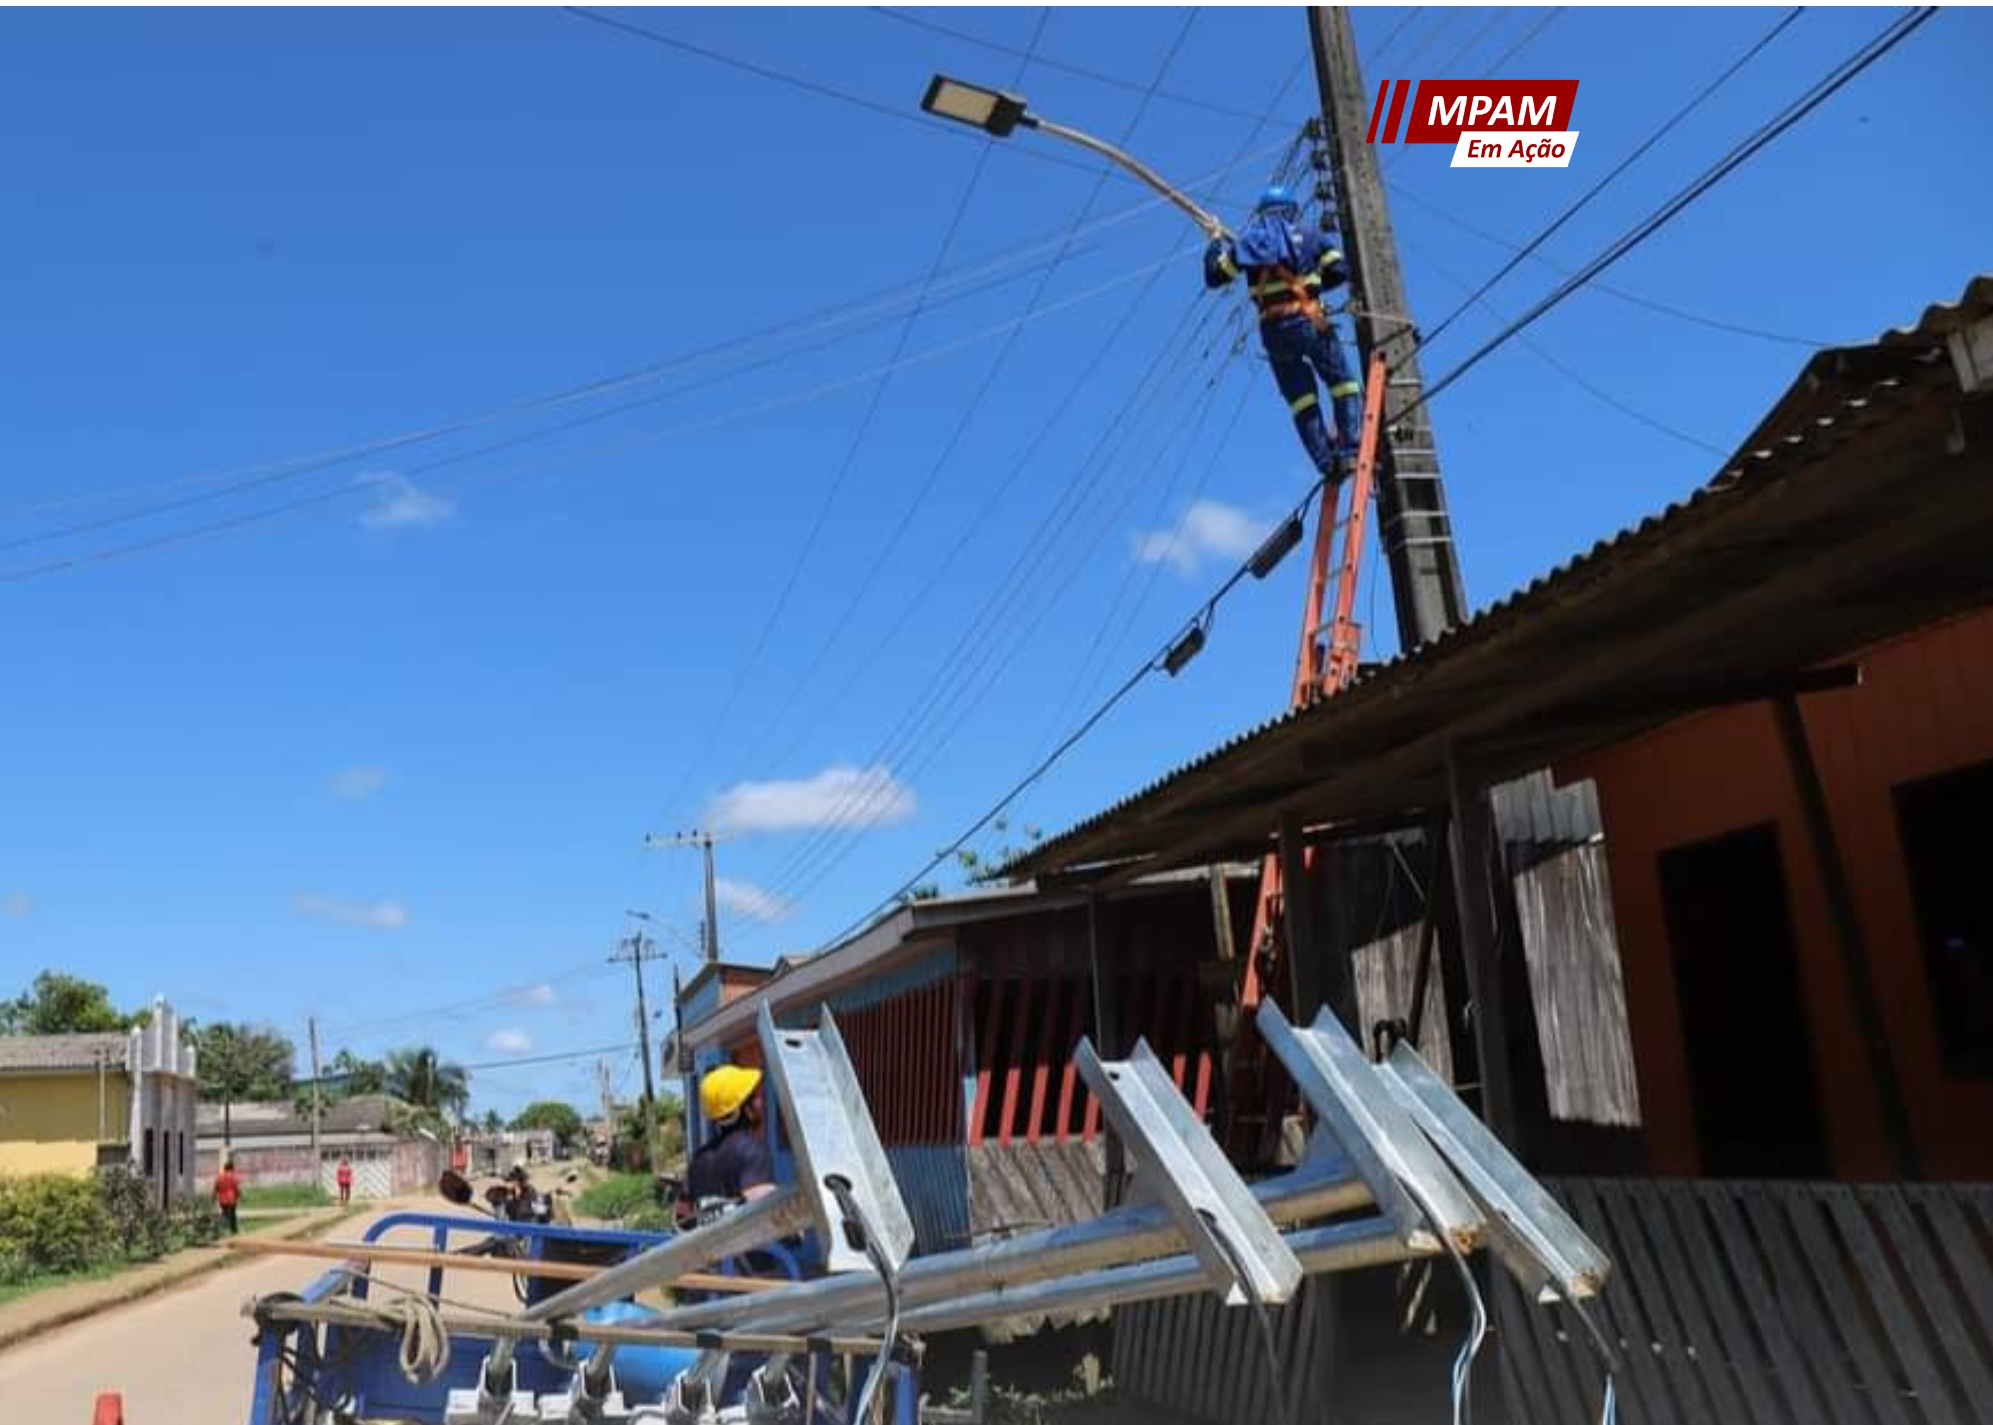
(344, 1177)
(228, 1193)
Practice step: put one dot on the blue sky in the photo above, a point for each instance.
(388, 756)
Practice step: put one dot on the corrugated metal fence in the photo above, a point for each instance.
(1771, 1304)
(1731, 1303)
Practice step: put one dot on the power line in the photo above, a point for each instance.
(1474, 41)
(1569, 373)
(25, 573)
(1832, 83)
(836, 484)
(1584, 199)
(627, 1046)
(1132, 86)
(817, 87)
(1377, 55)
(1542, 24)
(1623, 294)
(876, 565)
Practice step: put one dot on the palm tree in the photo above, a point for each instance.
(423, 1078)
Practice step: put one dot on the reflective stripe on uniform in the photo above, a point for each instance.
(1331, 257)
(1226, 265)
(1301, 403)
(1277, 288)
(1344, 388)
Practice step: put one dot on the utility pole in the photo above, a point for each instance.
(311, 1035)
(705, 841)
(636, 948)
(1412, 520)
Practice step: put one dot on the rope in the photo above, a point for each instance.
(425, 1345)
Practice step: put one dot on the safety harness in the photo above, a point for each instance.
(1267, 286)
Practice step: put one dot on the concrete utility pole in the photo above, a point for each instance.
(311, 1035)
(705, 841)
(1412, 520)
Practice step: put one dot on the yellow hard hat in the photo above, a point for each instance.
(725, 1089)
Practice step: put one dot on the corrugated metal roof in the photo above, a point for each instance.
(57, 1053)
(1839, 394)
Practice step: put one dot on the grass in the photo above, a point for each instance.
(42, 1281)
(300, 1195)
(615, 1197)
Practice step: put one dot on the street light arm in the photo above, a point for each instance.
(1212, 227)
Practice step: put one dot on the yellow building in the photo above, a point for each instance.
(70, 1102)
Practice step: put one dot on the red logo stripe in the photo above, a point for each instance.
(1377, 110)
(1397, 108)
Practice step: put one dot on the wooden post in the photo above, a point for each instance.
(1474, 889)
(1848, 940)
(1318, 973)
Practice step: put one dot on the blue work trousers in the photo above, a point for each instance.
(1299, 354)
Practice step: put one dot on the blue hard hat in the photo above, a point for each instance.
(1276, 195)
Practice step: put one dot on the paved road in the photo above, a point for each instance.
(181, 1358)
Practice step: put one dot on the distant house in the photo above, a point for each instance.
(271, 1144)
(71, 1102)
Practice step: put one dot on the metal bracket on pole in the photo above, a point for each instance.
(838, 1153)
(1408, 1180)
(1234, 1240)
(1535, 1238)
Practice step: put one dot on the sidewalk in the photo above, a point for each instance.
(59, 1305)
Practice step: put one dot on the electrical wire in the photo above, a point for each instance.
(1832, 83)
(1570, 373)
(745, 669)
(1583, 200)
(1114, 81)
(1377, 55)
(875, 566)
(823, 91)
(1623, 294)
(1513, 50)
(1477, 39)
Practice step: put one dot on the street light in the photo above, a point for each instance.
(998, 114)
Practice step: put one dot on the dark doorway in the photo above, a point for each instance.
(1943, 821)
(1750, 1058)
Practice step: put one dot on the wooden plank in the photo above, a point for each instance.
(1642, 1378)
(1928, 1283)
(1739, 1359)
(1699, 1356)
(1848, 1300)
(1797, 1302)
(374, 1254)
(986, 1059)
(1074, 1026)
(1016, 1048)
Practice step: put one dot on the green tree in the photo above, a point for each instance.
(64, 1004)
(422, 1078)
(241, 1062)
(493, 1121)
(563, 1118)
(348, 1076)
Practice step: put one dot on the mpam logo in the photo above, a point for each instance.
(1491, 123)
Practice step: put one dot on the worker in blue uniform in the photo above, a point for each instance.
(1287, 268)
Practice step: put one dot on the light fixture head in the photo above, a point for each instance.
(991, 110)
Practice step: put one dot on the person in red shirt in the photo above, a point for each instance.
(344, 1177)
(228, 1192)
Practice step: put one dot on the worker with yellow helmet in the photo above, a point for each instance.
(734, 1165)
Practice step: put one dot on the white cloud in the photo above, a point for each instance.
(358, 783)
(366, 915)
(1209, 529)
(845, 797)
(746, 898)
(536, 994)
(509, 1041)
(403, 504)
(17, 905)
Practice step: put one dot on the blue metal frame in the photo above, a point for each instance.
(366, 1361)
